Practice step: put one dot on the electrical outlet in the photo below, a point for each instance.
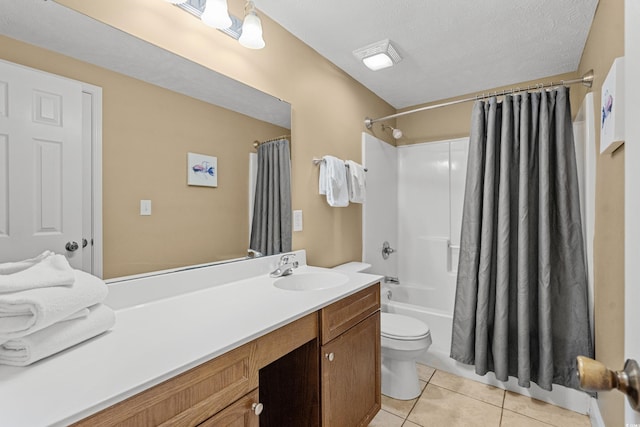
(145, 207)
(297, 220)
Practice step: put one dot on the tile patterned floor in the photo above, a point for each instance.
(452, 401)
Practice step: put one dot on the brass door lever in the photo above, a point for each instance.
(595, 376)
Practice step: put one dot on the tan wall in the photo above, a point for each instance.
(147, 132)
(605, 43)
(328, 106)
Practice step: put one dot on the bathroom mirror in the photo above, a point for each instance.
(157, 107)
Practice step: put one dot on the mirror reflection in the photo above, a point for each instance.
(157, 108)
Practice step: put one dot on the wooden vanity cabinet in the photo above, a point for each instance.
(350, 360)
(224, 388)
(322, 369)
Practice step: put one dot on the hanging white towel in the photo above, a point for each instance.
(356, 182)
(57, 337)
(335, 181)
(25, 312)
(322, 180)
(47, 269)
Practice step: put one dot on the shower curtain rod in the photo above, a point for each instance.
(257, 143)
(586, 80)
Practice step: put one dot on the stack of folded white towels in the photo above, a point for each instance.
(46, 307)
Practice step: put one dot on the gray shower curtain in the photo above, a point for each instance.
(271, 225)
(521, 305)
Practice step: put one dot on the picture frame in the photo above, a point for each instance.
(202, 170)
(612, 108)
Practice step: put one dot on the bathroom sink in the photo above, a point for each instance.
(312, 281)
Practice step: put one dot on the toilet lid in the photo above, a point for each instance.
(402, 327)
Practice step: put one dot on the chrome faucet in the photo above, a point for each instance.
(391, 279)
(285, 266)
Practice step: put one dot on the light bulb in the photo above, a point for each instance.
(378, 61)
(216, 14)
(397, 133)
(251, 36)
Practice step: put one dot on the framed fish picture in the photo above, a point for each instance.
(612, 108)
(202, 170)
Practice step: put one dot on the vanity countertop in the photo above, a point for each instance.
(154, 341)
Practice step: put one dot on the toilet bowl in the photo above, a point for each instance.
(403, 340)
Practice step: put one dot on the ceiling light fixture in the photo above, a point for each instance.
(251, 36)
(379, 55)
(216, 14)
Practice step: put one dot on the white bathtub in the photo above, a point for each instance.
(402, 301)
(439, 321)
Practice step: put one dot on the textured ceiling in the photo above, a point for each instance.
(449, 47)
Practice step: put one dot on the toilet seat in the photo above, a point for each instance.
(400, 327)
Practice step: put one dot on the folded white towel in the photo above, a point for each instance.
(25, 312)
(47, 269)
(335, 181)
(57, 337)
(356, 182)
(14, 267)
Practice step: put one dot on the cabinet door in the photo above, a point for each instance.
(242, 413)
(351, 376)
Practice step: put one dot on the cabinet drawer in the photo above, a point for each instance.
(346, 313)
(240, 414)
(189, 398)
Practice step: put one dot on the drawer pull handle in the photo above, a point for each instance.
(329, 356)
(257, 408)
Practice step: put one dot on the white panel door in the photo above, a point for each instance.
(632, 195)
(40, 164)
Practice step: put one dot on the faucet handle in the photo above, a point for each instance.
(286, 258)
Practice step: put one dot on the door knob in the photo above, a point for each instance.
(595, 376)
(71, 246)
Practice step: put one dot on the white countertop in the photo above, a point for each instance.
(154, 341)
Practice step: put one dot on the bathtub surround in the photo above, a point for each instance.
(415, 196)
(521, 299)
(271, 226)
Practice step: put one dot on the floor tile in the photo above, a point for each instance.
(544, 412)
(410, 424)
(475, 389)
(441, 407)
(425, 372)
(511, 419)
(386, 419)
(397, 407)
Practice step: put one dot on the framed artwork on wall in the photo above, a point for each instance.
(202, 170)
(612, 108)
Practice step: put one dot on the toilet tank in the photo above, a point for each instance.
(353, 267)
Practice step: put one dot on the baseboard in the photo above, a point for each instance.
(594, 414)
(563, 397)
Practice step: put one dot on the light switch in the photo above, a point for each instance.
(297, 220)
(145, 207)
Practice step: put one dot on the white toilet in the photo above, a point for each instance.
(404, 339)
